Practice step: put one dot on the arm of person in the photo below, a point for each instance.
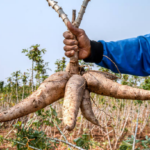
(132, 56)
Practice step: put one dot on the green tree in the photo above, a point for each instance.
(41, 69)
(35, 55)
(1, 86)
(60, 64)
(24, 78)
(16, 78)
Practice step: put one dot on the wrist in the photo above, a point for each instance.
(89, 50)
(96, 52)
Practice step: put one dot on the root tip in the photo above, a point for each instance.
(68, 128)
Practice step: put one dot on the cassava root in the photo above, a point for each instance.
(73, 96)
(86, 108)
(51, 90)
(60, 84)
(99, 84)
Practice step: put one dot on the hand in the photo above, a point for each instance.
(82, 43)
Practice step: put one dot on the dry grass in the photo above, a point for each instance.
(117, 118)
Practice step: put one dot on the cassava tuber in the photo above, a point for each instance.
(86, 108)
(73, 96)
(51, 90)
(99, 84)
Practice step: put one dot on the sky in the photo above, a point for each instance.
(30, 22)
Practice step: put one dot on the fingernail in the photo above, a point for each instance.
(74, 42)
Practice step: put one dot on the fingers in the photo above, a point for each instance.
(70, 42)
(71, 45)
(70, 53)
(73, 29)
(68, 35)
(70, 48)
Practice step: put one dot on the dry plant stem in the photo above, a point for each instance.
(60, 132)
(81, 13)
(80, 127)
(122, 130)
(108, 135)
(146, 120)
(86, 108)
(136, 129)
(9, 132)
(74, 146)
(59, 10)
(99, 84)
(51, 90)
(74, 68)
(100, 109)
(106, 74)
(73, 96)
(73, 16)
(34, 148)
(74, 65)
(115, 65)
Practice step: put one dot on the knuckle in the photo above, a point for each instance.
(64, 41)
(72, 42)
(68, 54)
(75, 42)
(64, 34)
(82, 31)
(65, 48)
(69, 36)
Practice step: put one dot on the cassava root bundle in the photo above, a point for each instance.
(74, 86)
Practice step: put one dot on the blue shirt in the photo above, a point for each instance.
(132, 56)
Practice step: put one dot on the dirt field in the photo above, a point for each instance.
(95, 133)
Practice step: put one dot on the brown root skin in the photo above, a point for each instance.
(81, 69)
(105, 74)
(72, 100)
(99, 84)
(51, 90)
(86, 108)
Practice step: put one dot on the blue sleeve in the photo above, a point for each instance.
(132, 56)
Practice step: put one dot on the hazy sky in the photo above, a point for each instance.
(29, 22)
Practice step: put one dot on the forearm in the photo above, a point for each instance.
(132, 56)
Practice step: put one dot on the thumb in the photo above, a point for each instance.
(73, 29)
